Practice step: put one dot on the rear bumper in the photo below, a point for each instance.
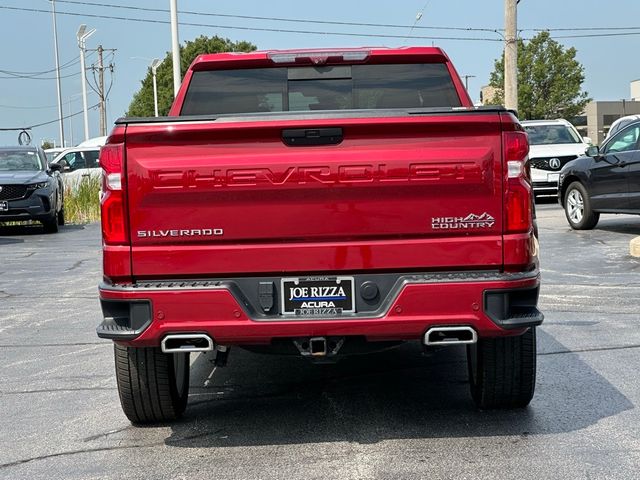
(493, 304)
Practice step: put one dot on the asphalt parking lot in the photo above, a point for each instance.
(393, 415)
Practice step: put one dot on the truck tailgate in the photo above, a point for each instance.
(395, 193)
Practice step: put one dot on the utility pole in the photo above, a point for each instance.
(175, 47)
(99, 85)
(511, 54)
(103, 107)
(55, 47)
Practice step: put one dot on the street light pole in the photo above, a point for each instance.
(82, 36)
(59, 89)
(175, 47)
(466, 81)
(154, 68)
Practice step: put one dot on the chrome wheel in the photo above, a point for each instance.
(575, 206)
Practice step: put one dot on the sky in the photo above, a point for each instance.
(26, 43)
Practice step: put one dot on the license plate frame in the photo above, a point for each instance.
(317, 296)
(4, 206)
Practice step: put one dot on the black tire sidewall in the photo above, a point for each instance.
(60, 217)
(498, 380)
(51, 224)
(179, 393)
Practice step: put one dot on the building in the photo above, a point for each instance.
(486, 95)
(599, 115)
(635, 90)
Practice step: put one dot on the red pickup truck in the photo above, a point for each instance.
(318, 203)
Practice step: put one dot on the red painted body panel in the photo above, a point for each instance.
(365, 203)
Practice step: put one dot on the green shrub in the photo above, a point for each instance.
(82, 201)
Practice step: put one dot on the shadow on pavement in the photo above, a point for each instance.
(629, 226)
(31, 229)
(268, 400)
(9, 241)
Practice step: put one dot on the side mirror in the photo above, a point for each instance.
(593, 151)
(587, 140)
(64, 165)
(55, 167)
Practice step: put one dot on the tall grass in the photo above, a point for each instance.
(82, 201)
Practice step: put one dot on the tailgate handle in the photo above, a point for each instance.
(303, 137)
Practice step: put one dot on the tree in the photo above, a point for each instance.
(47, 144)
(549, 80)
(142, 103)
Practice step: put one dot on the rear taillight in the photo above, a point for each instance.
(112, 205)
(518, 194)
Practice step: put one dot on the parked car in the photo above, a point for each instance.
(554, 143)
(620, 123)
(78, 163)
(606, 180)
(94, 142)
(52, 153)
(29, 188)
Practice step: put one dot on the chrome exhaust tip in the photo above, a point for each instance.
(450, 336)
(187, 343)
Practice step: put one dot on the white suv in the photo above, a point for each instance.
(554, 143)
(78, 163)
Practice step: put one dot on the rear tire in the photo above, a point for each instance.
(502, 371)
(153, 386)
(577, 208)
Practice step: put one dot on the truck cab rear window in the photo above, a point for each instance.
(320, 88)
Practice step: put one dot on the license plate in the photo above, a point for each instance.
(4, 206)
(317, 296)
(553, 177)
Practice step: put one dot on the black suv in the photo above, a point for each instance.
(29, 188)
(607, 180)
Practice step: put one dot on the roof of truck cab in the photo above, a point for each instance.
(434, 54)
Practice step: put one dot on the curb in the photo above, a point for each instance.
(634, 247)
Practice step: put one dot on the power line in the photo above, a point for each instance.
(314, 32)
(594, 35)
(68, 64)
(277, 19)
(13, 77)
(46, 123)
(235, 27)
(36, 75)
(579, 29)
(342, 23)
(20, 107)
(418, 17)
